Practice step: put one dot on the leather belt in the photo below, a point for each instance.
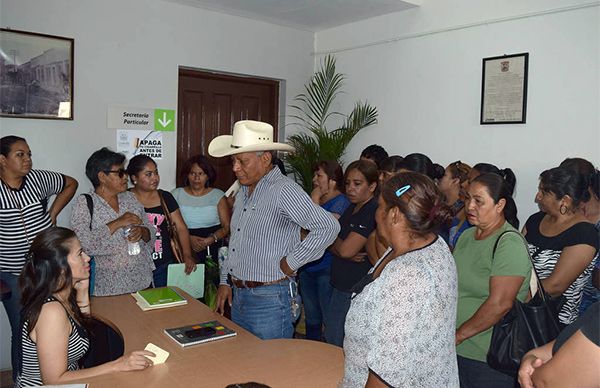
(238, 283)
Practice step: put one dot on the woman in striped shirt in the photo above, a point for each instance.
(562, 242)
(24, 212)
(56, 304)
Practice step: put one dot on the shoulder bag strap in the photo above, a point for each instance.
(175, 242)
(90, 205)
(165, 210)
(534, 283)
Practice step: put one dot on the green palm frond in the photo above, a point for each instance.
(314, 104)
(313, 110)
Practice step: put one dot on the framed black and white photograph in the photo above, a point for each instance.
(504, 89)
(36, 75)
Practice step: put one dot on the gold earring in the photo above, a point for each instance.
(563, 209)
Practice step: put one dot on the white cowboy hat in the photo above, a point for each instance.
(248, 136)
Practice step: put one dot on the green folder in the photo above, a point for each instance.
(160, 296)
(193, 283)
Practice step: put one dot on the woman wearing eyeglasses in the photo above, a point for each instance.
(107, 221)
(400, 327)
(454, 186)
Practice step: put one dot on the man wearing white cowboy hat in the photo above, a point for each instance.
(265, 248)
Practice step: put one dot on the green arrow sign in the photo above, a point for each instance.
(164, 120)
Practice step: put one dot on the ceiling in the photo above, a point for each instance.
(311, 15)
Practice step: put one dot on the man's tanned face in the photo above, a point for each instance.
(250, 167)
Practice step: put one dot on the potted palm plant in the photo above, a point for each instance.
(313, 110)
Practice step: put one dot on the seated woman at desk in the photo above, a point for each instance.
(56, 305)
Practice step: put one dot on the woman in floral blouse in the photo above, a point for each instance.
(102, 230)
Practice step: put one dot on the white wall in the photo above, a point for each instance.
(127, 52)
(428, 88)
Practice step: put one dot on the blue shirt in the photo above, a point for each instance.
(336, 205)
(199, 211)
(265, 227)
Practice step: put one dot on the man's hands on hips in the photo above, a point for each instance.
(285, 268)
(223, 294)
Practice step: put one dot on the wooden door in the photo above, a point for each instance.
(209, 104)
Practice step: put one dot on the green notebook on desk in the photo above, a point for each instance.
(193, 283)
(154, 298)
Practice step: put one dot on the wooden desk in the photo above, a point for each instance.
(244, 358)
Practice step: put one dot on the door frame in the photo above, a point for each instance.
(279, 102)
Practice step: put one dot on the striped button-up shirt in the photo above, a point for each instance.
(265, 227)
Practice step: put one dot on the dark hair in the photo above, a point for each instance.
(459, 170)
(367, 169)
(585, 168)
(275, 161)
(375, 153)
(498, 188)
(438, 171)
(506, 173)
(137, 164)
(204, 164)
(391, 164)
(102, 160)
(579, 165)
(422, 204)
(47, 272)
(334, 171)
(595, 184)
(422, 164)
(561, 181)
(6, 143)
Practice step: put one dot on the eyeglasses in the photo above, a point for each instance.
(120, 171)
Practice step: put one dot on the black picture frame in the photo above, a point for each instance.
(504, 89)
(36, 75)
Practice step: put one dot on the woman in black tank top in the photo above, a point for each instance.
(56, 305)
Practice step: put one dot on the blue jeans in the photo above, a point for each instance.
(316, 293)
(264, 311)
(335, 318)
(477, 374)
(12, 306)
(159, 276)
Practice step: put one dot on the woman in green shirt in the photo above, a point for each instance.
(488, 281)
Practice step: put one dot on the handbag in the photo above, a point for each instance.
(90, 205)
(176, 246)
(526, 326)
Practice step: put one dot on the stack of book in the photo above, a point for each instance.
(199, 333)
(158, 298)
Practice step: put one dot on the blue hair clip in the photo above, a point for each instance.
(402, 190)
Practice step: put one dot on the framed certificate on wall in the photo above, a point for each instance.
(504, 89)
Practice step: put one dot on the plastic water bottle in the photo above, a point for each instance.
(133, 248)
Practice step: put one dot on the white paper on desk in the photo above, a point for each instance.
(161, 355)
